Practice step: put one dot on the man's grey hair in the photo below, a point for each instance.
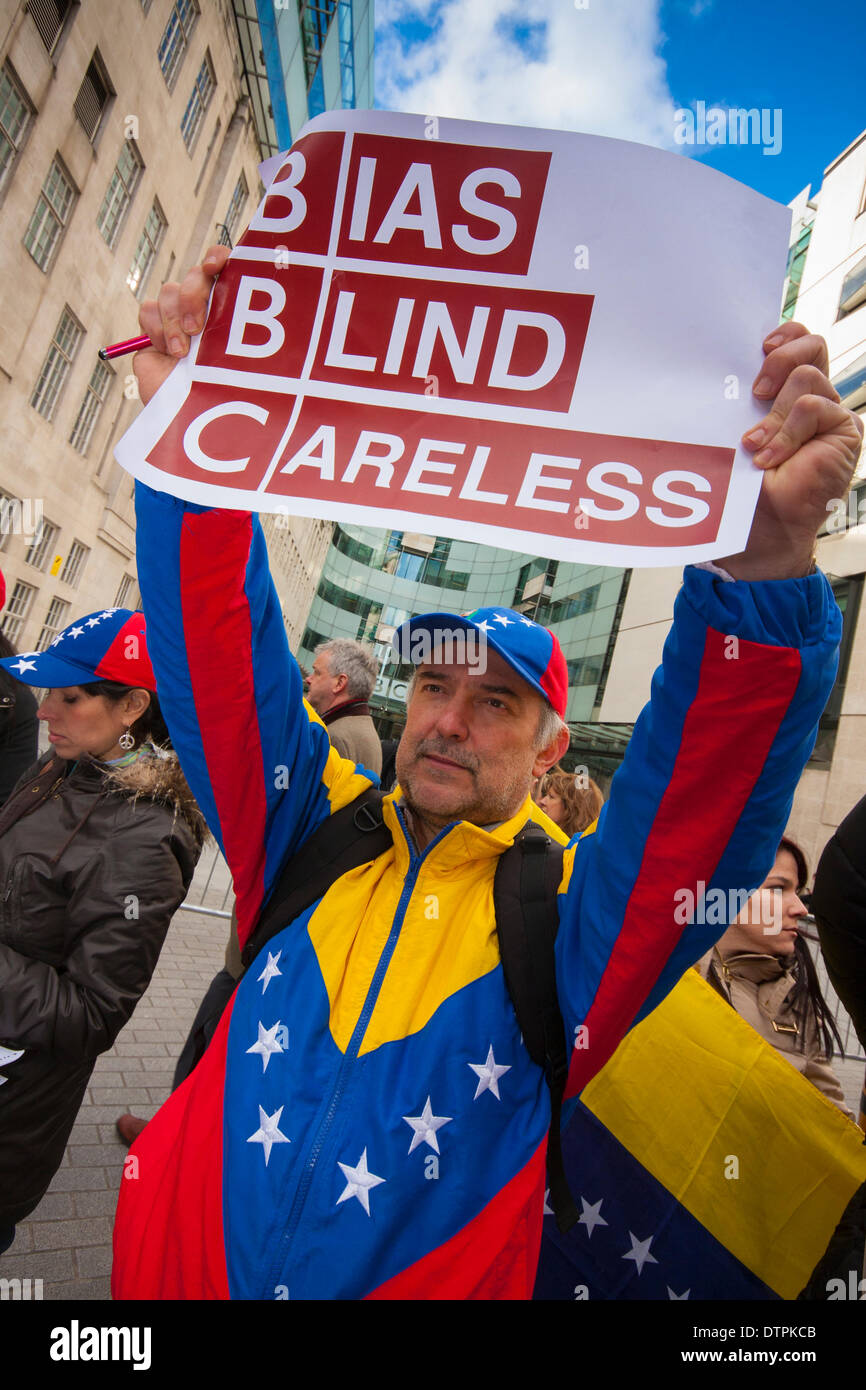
(354, 661)
(549, 722)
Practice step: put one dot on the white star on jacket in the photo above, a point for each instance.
(488, 1074)
(267, 1044)
(270, 970)
(590, 1216)
(268, 1132)
(425, 1126)
(359, 1181)
(677, 1297)
(640, 1252)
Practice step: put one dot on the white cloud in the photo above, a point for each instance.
(596, 70)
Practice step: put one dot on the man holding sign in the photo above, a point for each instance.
(367, 1121)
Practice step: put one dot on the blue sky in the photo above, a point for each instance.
(625, 67)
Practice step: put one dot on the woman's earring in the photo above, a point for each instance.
(126, 741)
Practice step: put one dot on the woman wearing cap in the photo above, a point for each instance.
(98, 843)
(764, 969)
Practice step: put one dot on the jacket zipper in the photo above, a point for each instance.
(415, 862)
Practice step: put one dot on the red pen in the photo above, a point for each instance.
(121, 349)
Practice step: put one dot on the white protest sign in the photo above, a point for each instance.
(528, 338)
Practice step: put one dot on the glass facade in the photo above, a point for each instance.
(303, 57)
(373, 580)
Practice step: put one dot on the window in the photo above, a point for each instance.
(50, 215)
(236, 206)
(202, 91)
(851, 383)
(175, 39)
(88, 411)
(55, 369)
(49, 16)
(55, 621)
(75, 562)
(15, 116)
(17, 609)
(93, 97)
(124, 592)
(118, 194)
(853, 290)
(41, 548)
(148, 245)
(585, 670)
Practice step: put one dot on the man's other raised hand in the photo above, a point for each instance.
(172, 319)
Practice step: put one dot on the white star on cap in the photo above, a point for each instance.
(590, 1217)
(56, 640)
(501, 618)
(108, 613)
(483, 626)
(527, 622)
(270, 970)
(267, 1044)
(425, 1126)
(488, 1074)
(268, 1132)
(359, 1181)
(640, 1252)
(74, 632)
(92, 622)
(22, 666)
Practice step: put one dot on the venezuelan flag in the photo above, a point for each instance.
(703, 1164)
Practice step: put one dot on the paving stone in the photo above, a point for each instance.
(88, 1155)
(51, 1266)
(124, 1096)
(55, 1206)
(92, 1289)
(79, 1180)
(83, 1133)
(96, 1203)
(94, 1262)
(66, 1235)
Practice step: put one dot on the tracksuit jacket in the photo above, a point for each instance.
(366, 1122)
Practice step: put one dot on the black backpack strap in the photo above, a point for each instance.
(524, 895)
(347, 839)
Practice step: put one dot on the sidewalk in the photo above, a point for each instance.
(67, 1241)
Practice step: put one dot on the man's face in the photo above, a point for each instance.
(468, 750)
(323, 688)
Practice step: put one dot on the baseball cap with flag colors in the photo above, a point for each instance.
(529, 649)
(110, 645)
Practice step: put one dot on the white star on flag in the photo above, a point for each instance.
(22, 666)
(640, 1252)
(501, 618)
(359, 1181)
(270, 970)
(92, 622)
(488, 1074)
(267, 1044)
(677, 1297)
(590, 1217)
(425, 1126)
(268, 1132)
(75, 632)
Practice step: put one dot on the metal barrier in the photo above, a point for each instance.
(211, 893)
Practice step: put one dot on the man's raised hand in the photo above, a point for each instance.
(808, 445)
(172, 319)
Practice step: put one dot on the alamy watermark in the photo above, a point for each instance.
(445, 646)
(734, 125)
(21, 518)
(719, 907)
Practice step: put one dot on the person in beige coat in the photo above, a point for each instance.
(763, 968)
